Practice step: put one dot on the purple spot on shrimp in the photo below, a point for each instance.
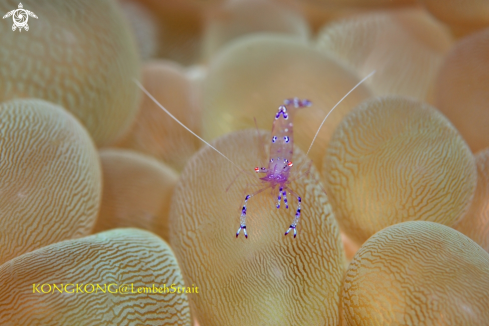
(274, 139)
(287, 139)
(281, 110)
(299, 199)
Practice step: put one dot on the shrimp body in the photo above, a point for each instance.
(279, 164)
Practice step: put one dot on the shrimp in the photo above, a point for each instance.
(281, 150)
(280, 164)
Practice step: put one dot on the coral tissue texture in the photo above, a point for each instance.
(79, 54)
(137, 192)
(269, 278)
(462, 89)
(50, 178)
(393, 160)
(417, 273)
(475, 224)
(132, 257)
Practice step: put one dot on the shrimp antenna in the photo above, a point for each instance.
(334, 107)
(181, 124)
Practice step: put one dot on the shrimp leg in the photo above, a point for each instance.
(297, 213)
(242, 225)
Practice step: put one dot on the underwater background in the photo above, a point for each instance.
(112, 213)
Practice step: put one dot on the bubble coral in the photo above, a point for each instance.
(154, 132)
(475, 223)
(137, 192)
(237, 18)
(417, 273)
(50, 177)
(79, 55)
(251, 77)
(462, 89)
(359, 3)
(393, 160)
(181, 25)
(144, 26)
(129, 257)
(406, 47)
(462, 13)
(267, 279)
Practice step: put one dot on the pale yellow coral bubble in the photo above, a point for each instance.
(181, 25)
(417, 273)
(144, 25)
(319, 12)
(154, 132)
(50, 178)
(461, 13)
(252, 77)
(77, 54)
(88, 271)
(405, 47)
(475, 223)
(137, 192)
(358, 3)
(237, 18)
(462, 89)
(269, 278)
(395, 159)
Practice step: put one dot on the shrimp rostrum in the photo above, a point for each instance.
(279, 165)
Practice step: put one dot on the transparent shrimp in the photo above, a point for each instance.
(279, 165)
(277, 173)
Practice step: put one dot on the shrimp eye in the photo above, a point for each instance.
(257, 169)
(287, 139)
(290, 164)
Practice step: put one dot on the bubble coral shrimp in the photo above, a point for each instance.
(280, 164)
(277, 174)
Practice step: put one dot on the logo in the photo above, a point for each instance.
(20, 17)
